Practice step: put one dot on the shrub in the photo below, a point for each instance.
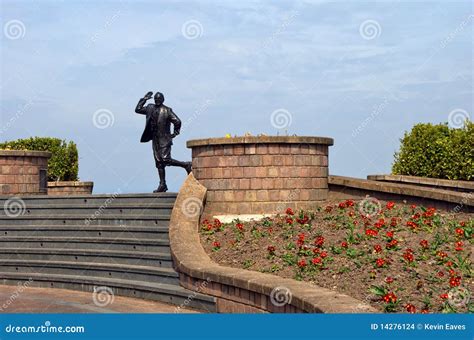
(63, 164)
(437, 151)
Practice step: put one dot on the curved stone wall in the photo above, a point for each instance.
(265, 174)
(23, 172)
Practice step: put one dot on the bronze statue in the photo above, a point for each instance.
(157, 129)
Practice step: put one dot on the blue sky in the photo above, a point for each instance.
(359, 72)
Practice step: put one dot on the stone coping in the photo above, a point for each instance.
(467, 185)
(25, 153)
(260, 140)
(190, 258)
(69, 184)
(404, 189)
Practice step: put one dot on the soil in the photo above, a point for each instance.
(436, 277)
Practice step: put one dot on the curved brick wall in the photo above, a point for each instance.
(254, 175)
(22, 171)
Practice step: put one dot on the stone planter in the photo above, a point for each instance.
(23, 172)
(70, 188)
(261, 175)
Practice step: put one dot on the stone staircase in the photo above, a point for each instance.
(84, 242)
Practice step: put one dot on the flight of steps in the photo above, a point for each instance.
(84, 242)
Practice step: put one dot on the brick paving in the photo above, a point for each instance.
(20, 299)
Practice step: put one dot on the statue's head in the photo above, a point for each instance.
(159, 98)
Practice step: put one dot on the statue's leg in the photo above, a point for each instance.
(185, 165)
(160, 165)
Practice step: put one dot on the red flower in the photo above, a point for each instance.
(440, 274)
(449, 263)
(429, 212)
(455, 281)
(240, 226)
(441, 254)
(413, 206)
(217, 223)
(323, 254)
(393, 222)
(392, 244)
(317, 261)
(349, 203)
(301, 238)
(319, 241)
(216, 244)
(289, 211)
(389, 234)
(371, 232)
(303, 220)
(425, 311)
(342, 205)
(380, 263)
(344, 244)
(390, 205)
(412, 224)
(390, 298)
(289, 220)
(328, 208)
(377, 248)
(271, 249)
(410, 308)
(460, 231)
(302, 263)
(408, 256)
(389, 279)
(459, 246)
(424, 244)
(444, 296)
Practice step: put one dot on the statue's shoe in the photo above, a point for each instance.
(189, 167)
(161, 188)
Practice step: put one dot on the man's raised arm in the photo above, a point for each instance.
(139, 108)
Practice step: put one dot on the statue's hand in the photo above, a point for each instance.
(174, 134)
(148, 95)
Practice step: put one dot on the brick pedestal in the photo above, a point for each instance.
(255, 175)
(23, 172)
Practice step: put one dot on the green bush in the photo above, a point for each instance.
(63, 164)
(437, 151)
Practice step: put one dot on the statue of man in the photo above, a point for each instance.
(157, 129)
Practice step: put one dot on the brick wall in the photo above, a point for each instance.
(20, 171)
(70, 188)
(253, 175)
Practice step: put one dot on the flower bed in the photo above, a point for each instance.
(397, 257)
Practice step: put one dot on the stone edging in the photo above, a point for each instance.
(25, 153)
(70, 184)
(260, 140)
(239, 290)
(466, 199)
(434, 182)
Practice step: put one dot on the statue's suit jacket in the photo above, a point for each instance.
(164, 117)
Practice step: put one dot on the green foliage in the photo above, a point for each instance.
(63, 164)
(437, 151)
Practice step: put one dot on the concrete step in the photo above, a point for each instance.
(116, 271)
(94, 211)
(172, 294)
(88, 255)
(155, 233)
(97, 200)
(121, 244)
(81, 220)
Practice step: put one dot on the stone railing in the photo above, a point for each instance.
(239, 290)
(23, 172)
(264, 174)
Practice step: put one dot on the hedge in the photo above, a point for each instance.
(437, 151)
(63, 164)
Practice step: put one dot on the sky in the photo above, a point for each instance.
(362, 73)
